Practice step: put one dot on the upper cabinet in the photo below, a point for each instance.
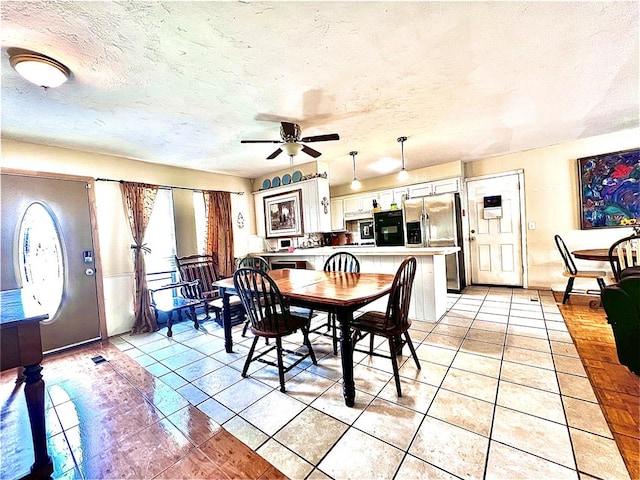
(316, 206)
(448, 185)
(359, 205)
(337, 215)
(420, 190)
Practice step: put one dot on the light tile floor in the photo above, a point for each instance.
(501, 394)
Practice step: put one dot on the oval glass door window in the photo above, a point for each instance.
(40, 257)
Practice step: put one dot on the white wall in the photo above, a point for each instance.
(113, 230)
(551, 189)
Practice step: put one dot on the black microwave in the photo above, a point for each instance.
(389, 228)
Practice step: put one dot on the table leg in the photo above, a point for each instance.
(226, 321)
(34, 394)
(345, 318)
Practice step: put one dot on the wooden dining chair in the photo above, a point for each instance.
(571, 271)
(259, 263)
(623, 257)
(338, 262)
(205, 269)
(270, 316)
(254, 262)
(394, 322)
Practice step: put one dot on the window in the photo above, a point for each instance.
(160, 236)
(201, 222)
(40, 257)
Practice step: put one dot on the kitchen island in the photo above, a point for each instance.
(429, 296)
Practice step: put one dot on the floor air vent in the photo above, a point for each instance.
(98, 359)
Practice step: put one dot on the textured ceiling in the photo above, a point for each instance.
(181, 83)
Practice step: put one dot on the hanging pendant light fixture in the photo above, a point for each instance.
(355, 184)
(403, 175)
(40, 69)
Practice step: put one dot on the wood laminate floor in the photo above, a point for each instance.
(615, 386)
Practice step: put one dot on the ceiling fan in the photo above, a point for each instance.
(292, 143)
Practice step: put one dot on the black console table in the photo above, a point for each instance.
(20, 346)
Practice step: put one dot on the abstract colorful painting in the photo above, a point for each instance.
(610, 190)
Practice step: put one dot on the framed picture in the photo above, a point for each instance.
(610, 190)
(283, 215)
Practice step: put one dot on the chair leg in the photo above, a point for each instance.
(567, 291)
(394, 363)
(413, 350)
(307, 342)
(280, 363)
(249, 357)
(371, 343)
(244, 329)
(170, 324)
(194, 317)
(601, 283)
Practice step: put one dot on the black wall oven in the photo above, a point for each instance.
(389, 228)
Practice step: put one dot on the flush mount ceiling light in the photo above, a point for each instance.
(403, 175)
(355, 184)
(40, 69)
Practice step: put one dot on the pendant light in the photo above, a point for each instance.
(355, 184)
(403, 175)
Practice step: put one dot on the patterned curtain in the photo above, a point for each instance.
(138, 199)
(220, 230)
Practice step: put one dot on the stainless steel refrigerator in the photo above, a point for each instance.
(436, 221)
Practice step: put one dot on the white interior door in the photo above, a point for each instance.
(68, 269)
(495, 243)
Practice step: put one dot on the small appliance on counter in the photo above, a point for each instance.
(366, 230)
(389, 228)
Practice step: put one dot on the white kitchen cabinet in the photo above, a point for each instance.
(449, 185)
(398, 193)
(337, 215)
(420, 190)
(436, 187)
(359, 206)
(316, 207)
(386, 198)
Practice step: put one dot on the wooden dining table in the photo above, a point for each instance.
(595, 254)
(333, 292)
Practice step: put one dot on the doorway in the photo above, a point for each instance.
(495, 230)
(48, 250)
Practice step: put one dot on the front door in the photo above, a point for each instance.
(495, 232)
(47, 247)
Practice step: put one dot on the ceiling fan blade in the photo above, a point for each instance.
(311, 151)
(260, 141)
(274, 154)
(321, 138)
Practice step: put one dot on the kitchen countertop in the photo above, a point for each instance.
(363, 250)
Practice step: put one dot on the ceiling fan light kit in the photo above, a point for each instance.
(355, 184)
(403, 175)
(39, 69)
